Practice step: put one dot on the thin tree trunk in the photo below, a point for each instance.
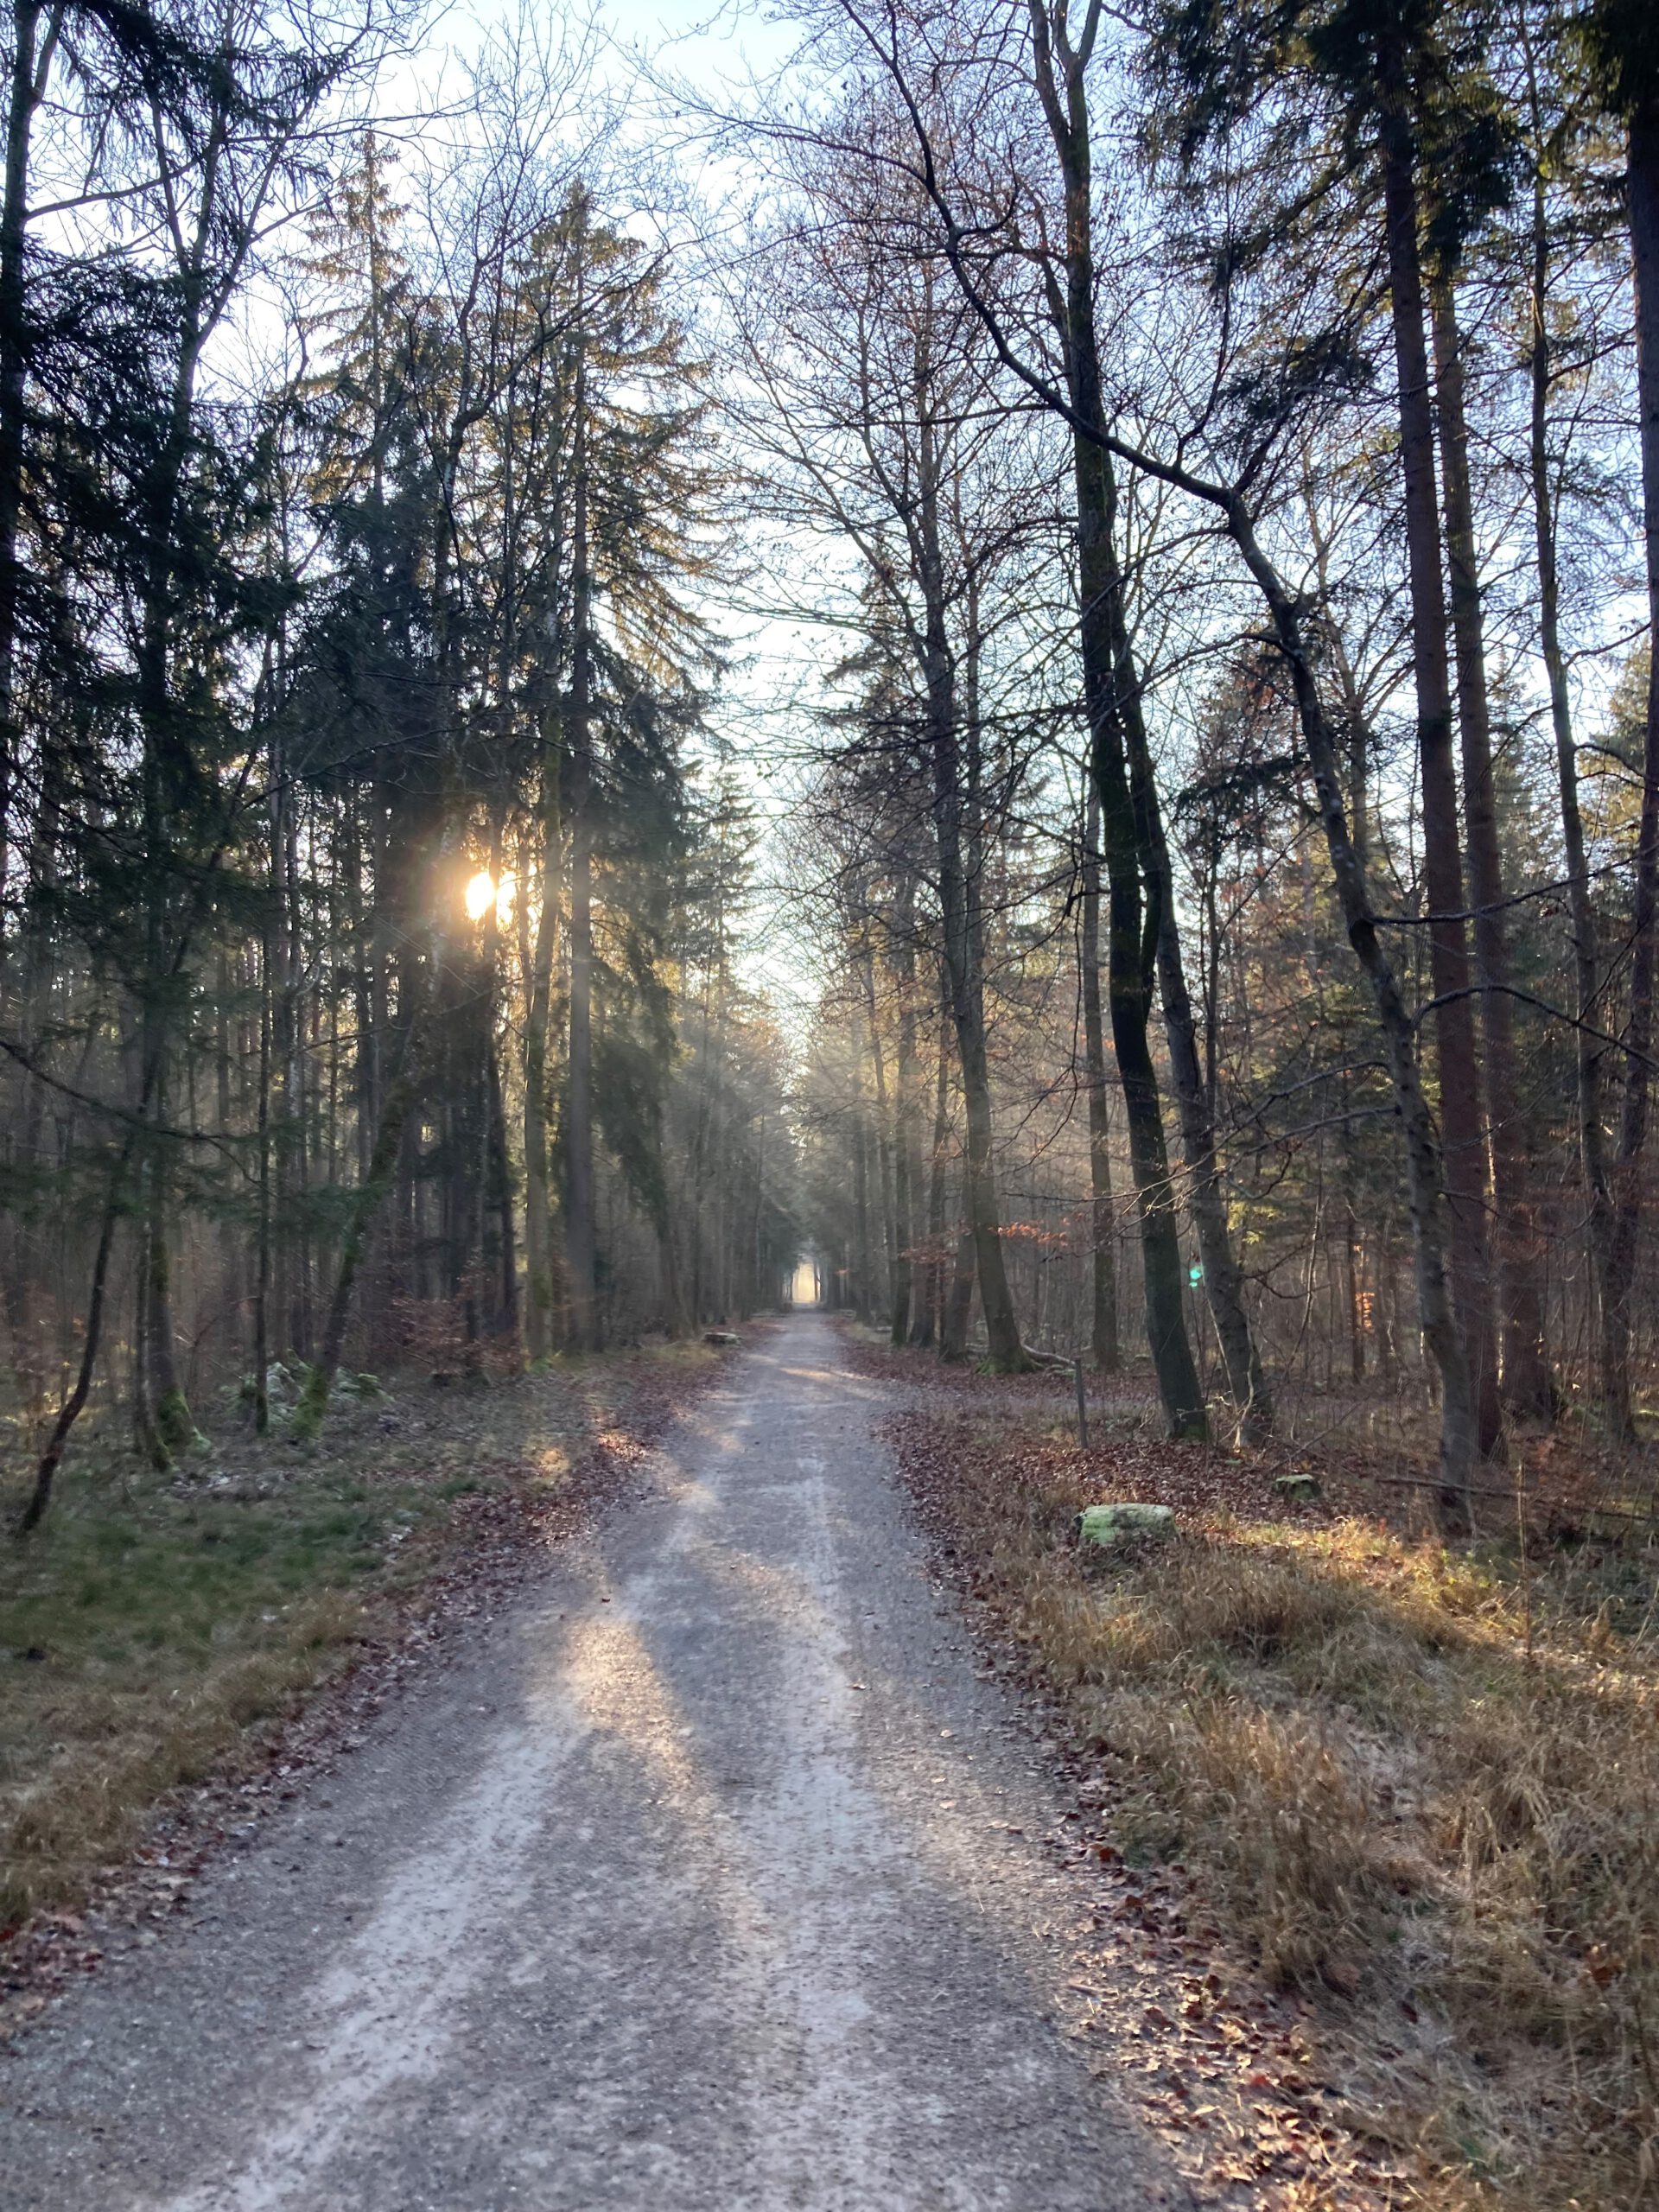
(1529, 1385)
(261, 1265)
(540, 1288)
(884, 1160)
(1103, 1341)
(579, 1223)
(930, 1310)
(40, 1497)
(70, 1412)
(501, 1198)
(1207, 1200)
(31, 63)
(860, 1282)
(1613, 1380)
(1459, 1424)
(1351, 1256)
(175, 1429)
(906, 1167)
(366, 1201)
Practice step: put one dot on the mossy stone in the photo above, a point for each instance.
(1114, 1528)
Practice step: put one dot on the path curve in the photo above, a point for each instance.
(706, 1880)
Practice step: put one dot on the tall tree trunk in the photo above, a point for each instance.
(1459, 1422)
(1103, 1341)
(963, 957)
(1132, 934)
(1133, 927)
(1642, 185)
(540, 1294)
(497, 1243)
(31, 62)
(262, 1262)
(579, 1222)
(884, 1159)
(500, 1200)
(1614, 1381)
(1529, 1385)
(906, 1166)
(956, 830)
(1464, 1149)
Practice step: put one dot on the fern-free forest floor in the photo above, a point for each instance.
(719, 1871)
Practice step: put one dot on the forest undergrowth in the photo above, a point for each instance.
(161, 1628)
(1418, 1783)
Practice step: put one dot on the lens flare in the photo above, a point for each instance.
(480, 895)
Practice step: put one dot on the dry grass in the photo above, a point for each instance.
(1423, 1786)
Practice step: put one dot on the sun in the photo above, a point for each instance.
(483, 892)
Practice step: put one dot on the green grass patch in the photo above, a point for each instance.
(149, 1623)
(154, 1619)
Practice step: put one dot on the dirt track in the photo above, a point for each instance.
(709, 1878)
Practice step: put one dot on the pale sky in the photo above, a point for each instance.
(716, 50)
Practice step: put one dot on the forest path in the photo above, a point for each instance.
(707, 1877)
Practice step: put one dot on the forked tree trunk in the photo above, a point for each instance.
(1132, 929)
(40, 1497)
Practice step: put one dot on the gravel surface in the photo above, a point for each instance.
(708, 1879)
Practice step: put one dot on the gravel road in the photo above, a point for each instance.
(707, 1879)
